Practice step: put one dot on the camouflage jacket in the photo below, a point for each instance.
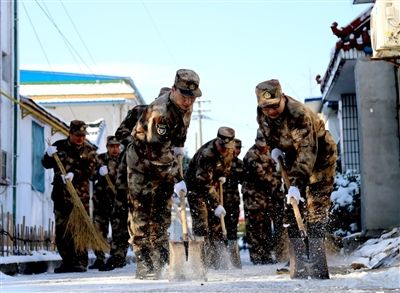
(204, 170)
(112, 163)
(234, 178)
(259, 171)
(161, 127)
(301, 135)
(80, 161)
(123, 133)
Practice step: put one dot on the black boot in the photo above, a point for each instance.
(97, 264)
(112, 263)
(70, 268)
(144, 265)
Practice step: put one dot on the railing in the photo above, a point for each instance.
(23, 240)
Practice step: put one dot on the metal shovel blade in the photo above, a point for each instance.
(234, 254)
(187, 267)
(312, 265)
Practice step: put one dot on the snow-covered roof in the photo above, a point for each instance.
(45, 85)
(96, 128)
(120, 87)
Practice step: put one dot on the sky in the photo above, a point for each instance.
(232, 45)
(260, 278)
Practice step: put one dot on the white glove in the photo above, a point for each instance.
(179, 151)
(219, 211)
(275, 154)
(181, 185)
(294, 192)
(222, 179)
(51, 150)
(69, 176)
(103, 170)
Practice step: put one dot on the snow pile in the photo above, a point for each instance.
(379, 252)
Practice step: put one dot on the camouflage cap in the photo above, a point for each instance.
(164, 90)
(78, 127)
(187, 81)
(238, 143)
(225, 137)
(111, 139)
(260, 138)
(268, 93)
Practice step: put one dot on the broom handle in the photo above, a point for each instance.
(293, 202)
(70, 187)
(182, 203)
(110, 184)
(221, 202)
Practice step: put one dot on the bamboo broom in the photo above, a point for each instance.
(79, 223)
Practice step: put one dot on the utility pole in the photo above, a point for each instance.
(200, 116)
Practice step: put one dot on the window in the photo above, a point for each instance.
(6, 67)
(37, 154)
(3, 165)
(351, 151)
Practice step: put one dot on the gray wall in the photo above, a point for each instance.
(379, 144)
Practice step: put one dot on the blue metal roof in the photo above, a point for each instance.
(35, 76)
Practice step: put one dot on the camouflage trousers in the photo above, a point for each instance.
(315, 208)
(204, 222)
(261, 235)
(231, 221)
(149, 215)
(117, 217)
(231, 205)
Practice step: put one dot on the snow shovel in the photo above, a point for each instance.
(232, 245)
(186, 253)
(221, 253)
(304, 264)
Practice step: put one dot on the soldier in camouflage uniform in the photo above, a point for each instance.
(209, 166)
(119, 229)
(294, 132)
(232, 203)
(263, 202)
(158, 138)
(79, 161)
(104, 196)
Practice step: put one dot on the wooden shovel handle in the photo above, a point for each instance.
(183, 215)
(293, 202)
(182, 201)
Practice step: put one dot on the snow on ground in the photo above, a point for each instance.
(251, 278)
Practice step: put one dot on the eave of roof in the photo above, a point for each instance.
(78, 101)
(41, 113)
(38, 78)
(354, 42)
(46, 77)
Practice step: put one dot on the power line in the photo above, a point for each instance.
(77, 32)
(65, 39)
(36, 35)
